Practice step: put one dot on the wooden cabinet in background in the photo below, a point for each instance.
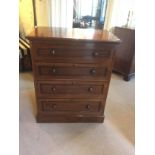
(124, 61)
(72, 70)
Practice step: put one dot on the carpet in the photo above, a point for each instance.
(113, 137)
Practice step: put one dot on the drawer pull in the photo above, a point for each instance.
(54, 106)
(53, 89)
(53, 70)
(95, 54)
(93, 71)
(90, 89)
(87, 106)
(52, 52)
(74, 82)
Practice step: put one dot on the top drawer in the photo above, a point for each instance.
(81, 52)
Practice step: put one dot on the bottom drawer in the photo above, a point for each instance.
(68, 106)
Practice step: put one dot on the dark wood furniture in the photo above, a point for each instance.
(25, 63)
(72, 70)
(124, 61)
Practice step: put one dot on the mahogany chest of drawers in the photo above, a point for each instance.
(72, 70)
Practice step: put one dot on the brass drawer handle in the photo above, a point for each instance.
(93, 71)
(95, 54)
(52, 52)
(90, 89)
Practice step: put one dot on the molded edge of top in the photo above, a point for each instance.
(46, 33)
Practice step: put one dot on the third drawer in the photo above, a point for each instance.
(70, 89)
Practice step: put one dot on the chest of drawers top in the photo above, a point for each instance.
(90, 35)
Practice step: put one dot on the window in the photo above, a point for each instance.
(89, 13)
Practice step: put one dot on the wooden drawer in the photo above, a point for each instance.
(62, 53)
(68, 106)
(59, 70)
(70, 89)
(80, 52)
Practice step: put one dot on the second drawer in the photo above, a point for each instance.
(67, 71)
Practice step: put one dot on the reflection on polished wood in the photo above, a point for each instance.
(79, 34)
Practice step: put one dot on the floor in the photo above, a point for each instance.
(113, 137)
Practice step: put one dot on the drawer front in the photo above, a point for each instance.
(70, 71)
(80, 52)
(70, 90)
(53, 53)
(69, 106)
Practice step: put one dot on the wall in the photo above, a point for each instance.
(26, 17)
(117, 13)
(26, 23)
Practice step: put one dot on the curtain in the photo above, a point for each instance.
(61, 13)
(26, 15)
(94, 8)
(26, 23)
(42, 12)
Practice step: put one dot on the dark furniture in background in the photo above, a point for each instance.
(25, 63)
(24, 55)
(124, 61)
(72, 71)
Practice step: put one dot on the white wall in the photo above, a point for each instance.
(117, 13)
